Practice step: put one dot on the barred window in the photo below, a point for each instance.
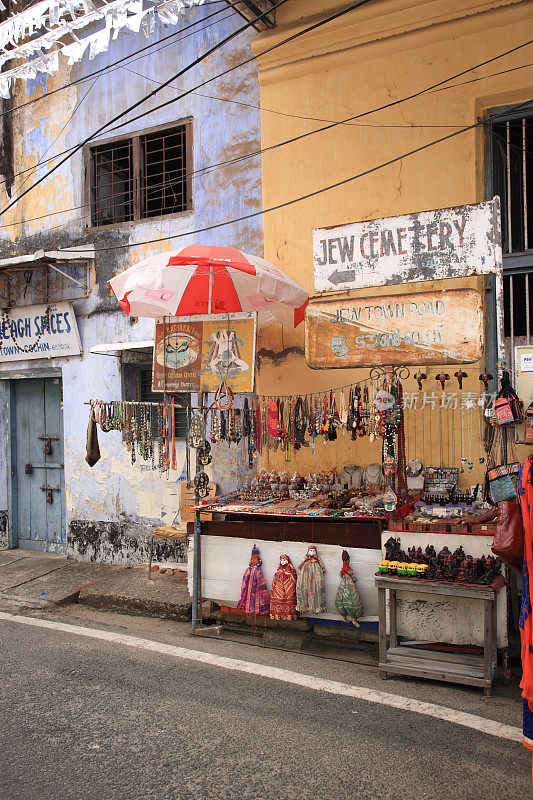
(511, 140)
(143, 176)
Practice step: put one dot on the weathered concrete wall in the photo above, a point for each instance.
(368, 58)
(110, 508)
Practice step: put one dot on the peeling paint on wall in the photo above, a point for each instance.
(111, 508)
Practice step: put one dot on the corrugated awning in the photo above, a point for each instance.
(46, 257)
(116, 348)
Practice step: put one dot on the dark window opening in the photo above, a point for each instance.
(512, 180)
(141, 177)
(518, 294)
(164, 189)
(512, 147)
(113, 185)
(146, 395)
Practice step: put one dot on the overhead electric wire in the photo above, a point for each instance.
(237, 159)
(309, 195)
(183, 94)
(154, 92)
(116, 64)
(332, 124)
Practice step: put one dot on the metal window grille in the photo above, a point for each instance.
(512, 180)
(141, 177)
(146, 395)
(164, 173)
(113, 183)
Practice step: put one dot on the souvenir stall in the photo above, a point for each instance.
(286, 541)
(333, 518)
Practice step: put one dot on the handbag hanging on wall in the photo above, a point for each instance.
(528, 433)
(509, 537)
(503, 466)
(508, 408)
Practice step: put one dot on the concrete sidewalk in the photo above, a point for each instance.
(32, 581)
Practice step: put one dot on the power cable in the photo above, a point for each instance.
(42, 162)
(307, 196)
(294, 139)
(116, 64)
(318, 130)
(206, 54)
(252, 154)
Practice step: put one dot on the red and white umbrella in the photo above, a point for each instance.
(209, 280)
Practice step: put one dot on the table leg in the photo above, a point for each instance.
(392, 618)
(494, 655)
(382, 616)
(150, 558)
(487, 643)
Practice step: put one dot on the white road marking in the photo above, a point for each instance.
(481, 724)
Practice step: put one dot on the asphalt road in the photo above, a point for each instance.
(82, 719)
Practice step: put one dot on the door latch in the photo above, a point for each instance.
(49, 490)
(28, 469)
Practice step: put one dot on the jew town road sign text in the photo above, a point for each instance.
(443, 327)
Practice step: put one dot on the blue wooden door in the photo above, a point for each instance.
(38, 473)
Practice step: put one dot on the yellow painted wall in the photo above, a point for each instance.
(384, 51)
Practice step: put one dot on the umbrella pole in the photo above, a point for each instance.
(197, 566)
(211, 281)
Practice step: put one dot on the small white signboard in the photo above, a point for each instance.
(428, 245)
(526, 362)
(39, 332)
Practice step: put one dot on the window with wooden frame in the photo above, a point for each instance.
(142, 176)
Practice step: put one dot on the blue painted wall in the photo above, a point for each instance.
(116, 496)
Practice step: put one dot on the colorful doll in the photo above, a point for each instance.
(283, 591)
(254, 593)
(348, 602)
(310, 590)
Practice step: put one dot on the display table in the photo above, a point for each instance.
(419, 662)
(226, 545)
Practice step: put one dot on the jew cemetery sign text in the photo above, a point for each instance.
(429, 245)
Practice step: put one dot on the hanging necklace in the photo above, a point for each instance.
(173, 463)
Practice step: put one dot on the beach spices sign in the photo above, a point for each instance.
(39, 332)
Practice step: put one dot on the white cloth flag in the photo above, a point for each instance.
(65, 16)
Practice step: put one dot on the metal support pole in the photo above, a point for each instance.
(197, 565)
(196, 600)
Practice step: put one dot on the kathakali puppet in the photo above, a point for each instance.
(254, 593)
(310, 589)
(348, 602)
(283, 591)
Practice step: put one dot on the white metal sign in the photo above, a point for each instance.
(39, 332)
(446, 243)
(526, 362)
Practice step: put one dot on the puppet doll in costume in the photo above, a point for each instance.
(254, 592)
(310, 589)
(348, 602)
(283, 591)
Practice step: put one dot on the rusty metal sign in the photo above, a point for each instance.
(429, 245)
(443, 327)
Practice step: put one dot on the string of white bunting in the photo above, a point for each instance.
(36, 30)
